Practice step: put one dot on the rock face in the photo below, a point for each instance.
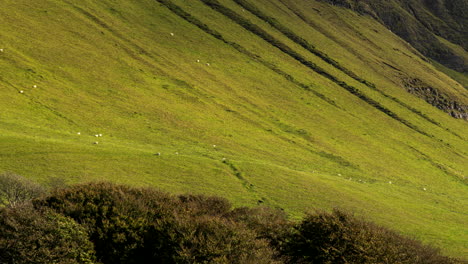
(422, 23)
(436, 98)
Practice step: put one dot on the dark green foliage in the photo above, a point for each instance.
(338, 237)
(138, 225)
(120, 220)
(29, 236)
(204, 205)
(134, 225)
(218, 240)
(15, 189)
(269, 224)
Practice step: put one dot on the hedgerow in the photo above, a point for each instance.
(110, 223)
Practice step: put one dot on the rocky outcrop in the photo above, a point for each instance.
(436, 98)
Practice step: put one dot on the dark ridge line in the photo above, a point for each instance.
(216, 6)
(374, 87)
(302, 42)
(311, 48)
(134, 55)
(438, 165)
(194, 21)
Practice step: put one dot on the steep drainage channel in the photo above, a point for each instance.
(312, 49)
(246, 24)
(189, 18)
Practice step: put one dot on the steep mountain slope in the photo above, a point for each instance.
(292, 104)
(421, 22)
(429, 26)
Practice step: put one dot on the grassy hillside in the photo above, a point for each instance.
(292, 104)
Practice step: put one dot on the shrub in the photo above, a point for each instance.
(15, 189)
(338, 237)
(115, 216)
(204, 205)
(269, 224)
(208, 239)
(32, 236)
(135, 225)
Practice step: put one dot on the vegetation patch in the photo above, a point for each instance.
(109, 223)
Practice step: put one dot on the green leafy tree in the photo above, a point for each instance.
(30, 236)
(15, 189)
(339, 237)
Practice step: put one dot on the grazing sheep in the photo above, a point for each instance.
(34, 86)
(172, 34)
(198, 60)
(158, 154)
(214, 146)
(95, 143)
(207, 64)
(21, 91)
(390, 182)
(224, 159)
(424, 189)
(1, 50)
(339, 174)
(78, 133)
(100, 135)
(96, 135)
(177, 153)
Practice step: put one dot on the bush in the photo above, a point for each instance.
(15, 189)
(117, 218)
(30, 236)
(269, 224)
(138, 225)
(338, 237)
(134, 225)
(207, 239)
(204, 205)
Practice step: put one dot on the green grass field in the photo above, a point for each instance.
(205, 88)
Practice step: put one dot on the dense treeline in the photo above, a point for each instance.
(110, 223)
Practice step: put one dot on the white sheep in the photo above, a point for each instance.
(96, 135)
(100, 135)
(207, 64)
(1, 50)
(158, 154)
(214, 146)
(34, 86)
(198, 60)
(390, 182)
(79, 133)
(95, 143)
(172, 34)
(424, 189)
(21, 91)
(177, 153)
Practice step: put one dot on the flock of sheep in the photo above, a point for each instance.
(177, 153)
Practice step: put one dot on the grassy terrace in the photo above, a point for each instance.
(257, 119)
